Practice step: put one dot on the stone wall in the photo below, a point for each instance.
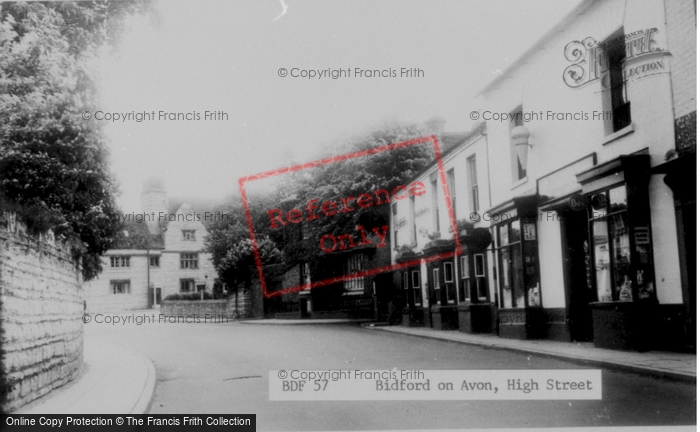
(200, 308)
(41, 305)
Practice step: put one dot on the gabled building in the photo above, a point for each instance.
(160, 252)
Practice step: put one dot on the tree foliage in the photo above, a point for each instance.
(53, 163)
(229, 238)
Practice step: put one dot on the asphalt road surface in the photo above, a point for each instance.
(223, 368)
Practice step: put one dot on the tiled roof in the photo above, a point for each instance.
(135, 235)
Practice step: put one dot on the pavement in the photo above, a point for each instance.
(669, 365)
(113, 380)
(117, 380)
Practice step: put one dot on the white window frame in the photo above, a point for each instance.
(118, 283)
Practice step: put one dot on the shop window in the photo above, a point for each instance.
(415, 280)
(612, 253)
(480, 276)
(518, 267)
(465, 292)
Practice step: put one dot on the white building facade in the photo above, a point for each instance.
(574, 166)
(168, 259)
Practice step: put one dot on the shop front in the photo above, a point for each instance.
(413, 314)
(520, 314)
(618, 255)
(442, 284)
(475, 308)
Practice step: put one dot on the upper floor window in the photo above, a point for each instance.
(120, 261)
(614, 86)
(436, 211)
(517, 162)
(188, 235)
(453, 193)
(472, 179)
(189, 260)
(155, 261)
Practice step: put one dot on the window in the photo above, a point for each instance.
(449, 282)
(201, 287)
(480, 276)
(465, 293)
(189, 260)
(448, 273)
(394, 213)
(612, 253)
(186, 285)
(614, 87)
(436, 285)
(155, 261)
(354, 265)
(436, 212)
(453, 193)
(120, 261)
(188, 235)
(120, 286)
(412, 215)
(518, 162)
(406, 287)
(473, 182)
(416, 287)
(518, 267)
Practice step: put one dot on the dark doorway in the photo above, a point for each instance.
(158, 294)
(578, 274)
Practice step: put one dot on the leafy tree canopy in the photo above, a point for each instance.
(54, 164)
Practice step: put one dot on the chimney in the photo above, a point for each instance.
(436, 125)
(153, 202)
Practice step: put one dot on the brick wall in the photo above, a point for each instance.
(41, 308)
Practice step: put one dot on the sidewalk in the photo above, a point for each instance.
(305, 321)
(113, 380)
(662, 364)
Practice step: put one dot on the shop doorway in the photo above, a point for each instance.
(578, 274)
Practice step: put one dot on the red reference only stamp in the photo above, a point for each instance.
(314, 210)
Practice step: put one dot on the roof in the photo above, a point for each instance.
(559, 27)
(450, 142)
(135, 235)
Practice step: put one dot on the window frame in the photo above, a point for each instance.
(189, 235)
(114, 284)
(122, 261)
(192, 285)
(186, 260)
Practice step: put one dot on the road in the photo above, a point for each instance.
(223, 368)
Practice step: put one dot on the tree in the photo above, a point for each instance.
(239, 266)
(53, 163)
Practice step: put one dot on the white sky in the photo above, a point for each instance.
(224, 55)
